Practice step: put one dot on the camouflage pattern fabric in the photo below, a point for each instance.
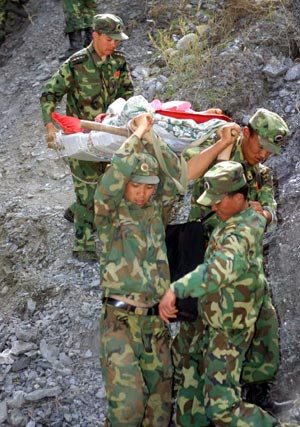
(230, 285)
(136, 368)
(262, 358)
(225, 177)
(135, 350)
(111, 25)
(79, 14)
(265, 346)
(223, 354)
(259, 178)
(82, 173)
(187, 354)
(260, 181)
(129, 234)
(86, 98)
(271, 128)
(146, 170)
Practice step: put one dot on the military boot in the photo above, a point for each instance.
(88, 36)
(76, 43)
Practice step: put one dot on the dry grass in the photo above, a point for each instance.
(241, 13)
(197, 62)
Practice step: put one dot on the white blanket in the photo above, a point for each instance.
(100, 146)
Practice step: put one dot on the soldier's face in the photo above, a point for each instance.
(229, 206)
(104, 45)
(137, 193)
(253, 152)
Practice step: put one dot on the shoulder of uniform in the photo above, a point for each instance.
(79, 57)
(118, 54)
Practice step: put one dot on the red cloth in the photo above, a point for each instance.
(197, 117)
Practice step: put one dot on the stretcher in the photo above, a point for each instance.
(174, 122)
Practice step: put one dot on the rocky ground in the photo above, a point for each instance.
(50, 303)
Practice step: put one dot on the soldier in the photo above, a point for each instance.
(263, 135)
(92, 79)
(230, 286)
(130, 204)
(79, 18)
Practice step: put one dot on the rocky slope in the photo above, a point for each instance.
(50, 303)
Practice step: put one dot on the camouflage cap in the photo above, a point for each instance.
(146, 171)
(111, 25)
(222, 179)
(271, 128)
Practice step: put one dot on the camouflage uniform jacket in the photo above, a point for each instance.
(91, 84)
(259, 178)
(230, 283)
(133, 260)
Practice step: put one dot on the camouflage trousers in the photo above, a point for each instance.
(187, 354)
(79, 14)
(263, 357)
(260, 363)
(218, 399)
(85, 176)
(136, 368)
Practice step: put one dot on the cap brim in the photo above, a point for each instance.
(118, 36)
(151, 179)
(267, 146)
(208, 199)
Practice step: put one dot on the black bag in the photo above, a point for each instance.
(186, 246)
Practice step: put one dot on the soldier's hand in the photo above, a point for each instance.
(260, 210)
(229, 133)
(216, 111)
(100, 117)
(142, 124)
(167, 308)
(50, 131)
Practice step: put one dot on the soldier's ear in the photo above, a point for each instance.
(239, 198)
(246, 132)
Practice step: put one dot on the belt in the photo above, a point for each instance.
(140, 311)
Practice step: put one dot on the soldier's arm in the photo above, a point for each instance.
(170, 164)
(110, 189)
(199, 164)
(265, 203)
(223, 266)
(54, 90)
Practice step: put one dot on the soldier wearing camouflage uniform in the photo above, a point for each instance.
(130, 215)
(230, 286)
(265, 132)
(79, 19)
(135, 344)
(92, 79)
